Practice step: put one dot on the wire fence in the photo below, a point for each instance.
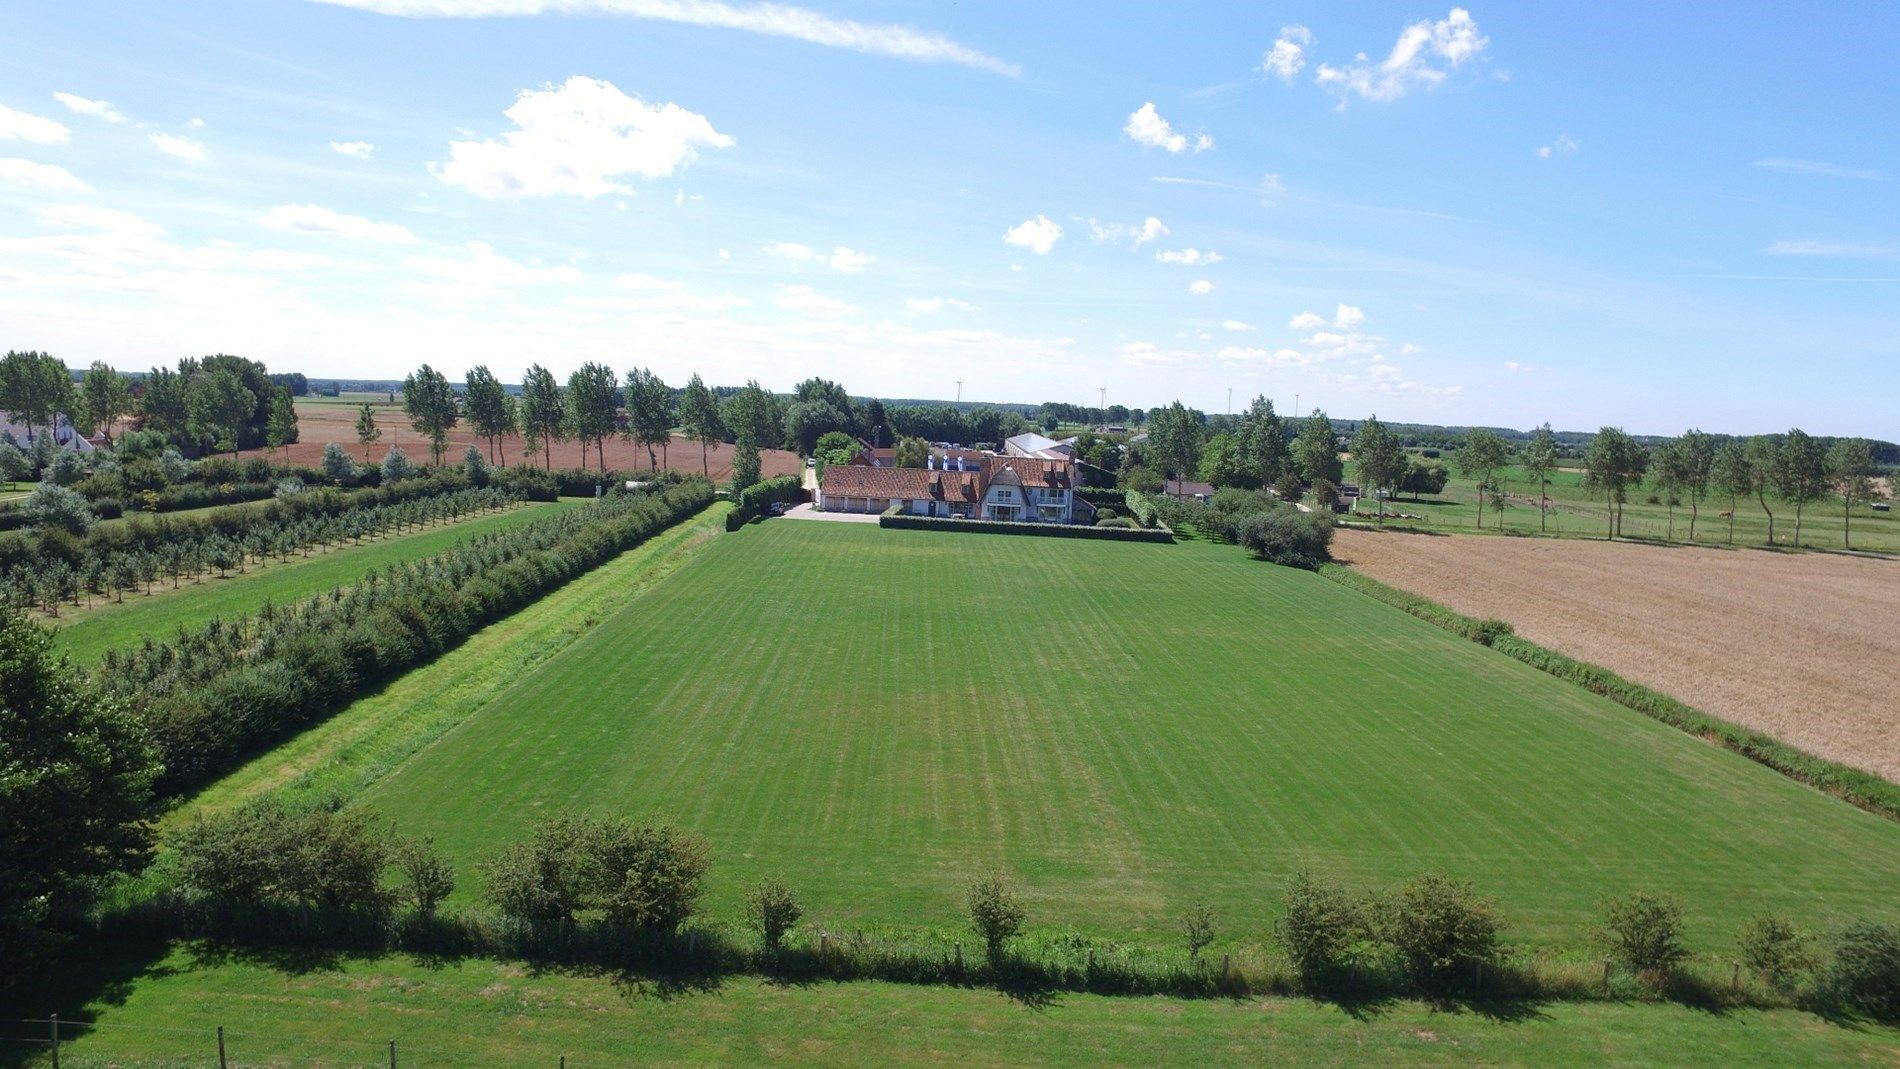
(64, 1043)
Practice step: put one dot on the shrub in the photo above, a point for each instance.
(1864, 974)
(173, 465)
(1287, 536)
(658, 870)
(265, 852)
(1440, 930)
(67, 468)
(396, 466)
(1644, 932)
(995, 914)
(1774, 949)
(755, 499)
(52, 506)
(640, 878)
(772, 910)
(427, 876)
(1118, 522)
(1321, 923)
(14, 464)
(475, 467)
(290, 487)
(337, 465)
(1197, 928)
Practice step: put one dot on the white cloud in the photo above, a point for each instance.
(1151, 229)
(316, 219)
(183, 148)
(771, 19)
(577, 139)
(1038, 235)
(1831, 248)
(1200, 287)
(938, 304)
(26, 174)
(1288, 55)
(1516, 368)
(1189, 257)
(1147, 127)
(807, 301)
(1346, 317)
(850, 261)
(1306, 321)
(98, 109)
(24, 126)
(1817, 167)
(359, 149)
(1237, 326)
(484, 271)
(1565, 145)
(1412, 63)
(196, 124)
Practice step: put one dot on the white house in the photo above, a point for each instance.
(987, 487)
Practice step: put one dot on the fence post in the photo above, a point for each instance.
(392, 1054)
(221, 1064)
(52, 1024)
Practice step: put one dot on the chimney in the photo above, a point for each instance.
(930, 461)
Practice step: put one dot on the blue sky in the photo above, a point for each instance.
(1613, 214)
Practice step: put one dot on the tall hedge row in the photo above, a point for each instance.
(755, 499)
(1047, 530)
(213, 695)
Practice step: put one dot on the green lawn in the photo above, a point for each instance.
(114, 625)
(1583, 514)
(878, 714)
(162, 1009)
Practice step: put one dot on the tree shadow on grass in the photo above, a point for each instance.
(67, 982)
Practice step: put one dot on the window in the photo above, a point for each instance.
(1005, 495)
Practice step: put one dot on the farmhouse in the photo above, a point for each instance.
(985, 487)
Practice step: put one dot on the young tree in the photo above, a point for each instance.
(1614, 463)
(396, 466)
(1802, 477)
(1320, 925)
(1732, 473)
(1669, 473)
(1441, 930)
(1316, 451)
(1197, 928)
(1850, 467)
(34, 388)
(543, 411)
(1381, 460)
(1174, 436)
(995, 913)
(1764, 468)
(490, 410)
(76, 775)
(367, 432)
(591, 408)
(1539, 459)
(427, 876)
(430, 403)
(1644, 932)
(1483, 458)
(699, 414)
(105, 396)
(772, 910)
(649, 411)
(281, 429)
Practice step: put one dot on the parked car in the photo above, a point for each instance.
(780, 508)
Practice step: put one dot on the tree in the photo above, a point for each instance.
(491, 412)
(1174, 437)
(1669, 473)
(1644, 932)
(1850, 468)
(1320, 925)
(367, 432)
(1539, 459)
(281, 430)
(745, 463)
(1260, 443)
(1801, 479)
(772, 910)
(995, 913)
(76, 775)
(699, 414)
(1316, 450)
(1774, 949)
(337, 465)
(911, 453)
(1197, 928)
(1698, 451)
(396, 466)
(1380, 459)
(427, 876)
(1764, 468)
(1440, 929)
(164, 405)
(104, 397)
(1733, 473)
(649, 411)
(1483, 458)
(1425, 477)
(220, 406)
(543, 411)
(430, 403)
(754, 411)
(1612, 464)
(34, 388)
(591, 409)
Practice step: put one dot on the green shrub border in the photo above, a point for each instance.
(1049, 530)
(1851, 785)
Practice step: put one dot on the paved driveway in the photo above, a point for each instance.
(807, 511)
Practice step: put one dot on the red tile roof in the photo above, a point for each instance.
(917, 484)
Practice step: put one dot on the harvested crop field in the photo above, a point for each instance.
(1802, 646)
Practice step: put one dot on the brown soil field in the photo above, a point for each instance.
(320, 424)
(1804, 647)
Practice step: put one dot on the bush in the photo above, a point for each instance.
(1119, 523)
(1321, 923)
(55, 507)
(1644, 932)
(67, 468)
(337, 465)
(1287, 536)
(995, 914)
(396, 466)
(1775, 950)
(265, 853)
(427, 876)
(1864, 974)
(640, 878)
(173, 465)
(772, 910)
(752, 501)
(1440, 930)
(658, 870)
(475, 467)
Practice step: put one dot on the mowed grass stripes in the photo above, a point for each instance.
(875, 715)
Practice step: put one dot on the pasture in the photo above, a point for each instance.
(87, 634)
(875, 715)
(344, 1012)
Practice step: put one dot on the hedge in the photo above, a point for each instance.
(1103, 495)
(1852, 785)
(1049, 530)
(751, 502)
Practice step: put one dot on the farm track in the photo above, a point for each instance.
(1800, 646)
